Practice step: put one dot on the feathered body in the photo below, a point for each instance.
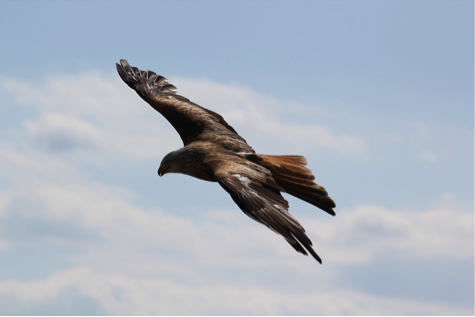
(214, 151)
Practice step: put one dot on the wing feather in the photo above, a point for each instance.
(189, 119)
(261, 201)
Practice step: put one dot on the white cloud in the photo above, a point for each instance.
(93, 113)
(254, 114)
(88, 93)
(64, 133)
(131, 259)
(122, 295)
(363, 232)
(103, 113)
(367, 232)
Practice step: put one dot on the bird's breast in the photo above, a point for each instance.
(194, 166)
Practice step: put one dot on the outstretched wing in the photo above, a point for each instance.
(189, 119)
(257, 194)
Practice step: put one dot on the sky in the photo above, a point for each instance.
(377, 95)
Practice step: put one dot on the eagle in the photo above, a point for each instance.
(213, 151)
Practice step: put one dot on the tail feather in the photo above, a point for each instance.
(290, 173)
(296, 171)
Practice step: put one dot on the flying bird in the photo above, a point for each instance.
(213, 151)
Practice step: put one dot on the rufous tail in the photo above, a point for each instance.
(290, 173)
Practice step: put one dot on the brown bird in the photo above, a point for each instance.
(213, 151)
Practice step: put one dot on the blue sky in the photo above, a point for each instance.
(378, 95)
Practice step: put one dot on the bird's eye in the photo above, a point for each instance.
(168, 162)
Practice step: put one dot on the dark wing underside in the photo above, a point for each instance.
(190, 120)
(258, 195)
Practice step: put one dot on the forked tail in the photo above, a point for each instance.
(290, 173)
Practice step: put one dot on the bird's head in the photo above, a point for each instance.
(171, 163)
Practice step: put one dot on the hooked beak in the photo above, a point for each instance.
(162, 171)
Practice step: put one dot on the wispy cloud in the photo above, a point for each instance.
(265, 117)
(126, 258)
(105, 293)
(90, 110)
(131, 260)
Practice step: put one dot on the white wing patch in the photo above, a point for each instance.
(242, 179)
(280, 208)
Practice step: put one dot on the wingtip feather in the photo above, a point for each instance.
(145, 83)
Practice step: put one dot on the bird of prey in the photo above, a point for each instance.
(213, 151)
